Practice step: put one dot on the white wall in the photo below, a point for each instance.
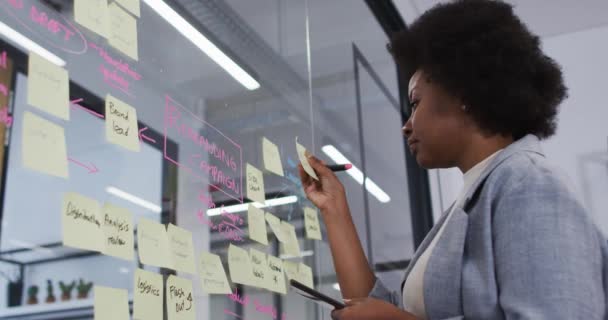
(580, 146)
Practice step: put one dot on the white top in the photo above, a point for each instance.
(413, 290)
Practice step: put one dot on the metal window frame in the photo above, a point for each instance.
(419, 190)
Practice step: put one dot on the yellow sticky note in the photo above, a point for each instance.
(239, 266)
(48, 87)
(111, 304)
(81, 222)
(275, 226)
(255, 185)
(291, 245)
(257, 225)
(276, 278)
(302, 155)
(311, 222)
(272, 158)
(299, 272)
(180, 244)
(291, 270)
(131, 5)
(212, 274)
(123, 31)
(305, 275)
(92, 14)
(180, 299)
(147, 295)
(118, 232)
(153, 244)
(259, 267)
(121, 124)
(43, 146)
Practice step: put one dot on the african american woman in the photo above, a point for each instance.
(517, 243)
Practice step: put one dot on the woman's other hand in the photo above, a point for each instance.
(328, 192)
(354, 274)
(370, 309)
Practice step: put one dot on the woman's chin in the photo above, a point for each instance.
(423, 161)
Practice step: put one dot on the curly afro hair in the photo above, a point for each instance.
(479, 51)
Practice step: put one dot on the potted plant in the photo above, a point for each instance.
(50, 296)
(66, 290)
(83, 288)
(32, 295)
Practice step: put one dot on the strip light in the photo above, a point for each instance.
(305, 253)
(199, 40)
(29, 45)
(356, 174)
(244, 206)
(134, 199)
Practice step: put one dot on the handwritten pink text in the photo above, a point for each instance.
(259, 307)
(224, 168)
(116, 73)
(229, 227)
(119, 64)
(52, 27)
(206, 200)
(5, 117)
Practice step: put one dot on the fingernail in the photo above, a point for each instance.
(347, 300)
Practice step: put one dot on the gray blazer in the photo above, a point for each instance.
(521, 247)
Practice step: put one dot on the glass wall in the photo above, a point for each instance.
(152, 135)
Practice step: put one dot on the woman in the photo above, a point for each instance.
(516, 244)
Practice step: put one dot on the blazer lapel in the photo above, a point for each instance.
(442, 277)
(425, 243)
(443, 274)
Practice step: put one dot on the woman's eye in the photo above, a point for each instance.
(414, 104)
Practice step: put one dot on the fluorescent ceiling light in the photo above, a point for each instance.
(338, 157)
(28, 45)
(244, 206)
(336, 286)
(356, 174)
(373, 188)
(199, 40)
(134, 199)
(229, 209)
(305, 253)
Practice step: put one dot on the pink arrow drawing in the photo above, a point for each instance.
(92, 168)
(143, 136)
(74, 104)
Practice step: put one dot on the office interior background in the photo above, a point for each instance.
(321, 72)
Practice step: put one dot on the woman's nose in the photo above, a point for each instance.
(407, 128)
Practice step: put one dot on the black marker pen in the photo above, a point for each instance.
(339, 167)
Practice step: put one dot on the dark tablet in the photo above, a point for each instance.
(315, 295)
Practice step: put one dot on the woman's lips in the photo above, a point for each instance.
(412, 145)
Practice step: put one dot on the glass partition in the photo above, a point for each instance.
(154, 135)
